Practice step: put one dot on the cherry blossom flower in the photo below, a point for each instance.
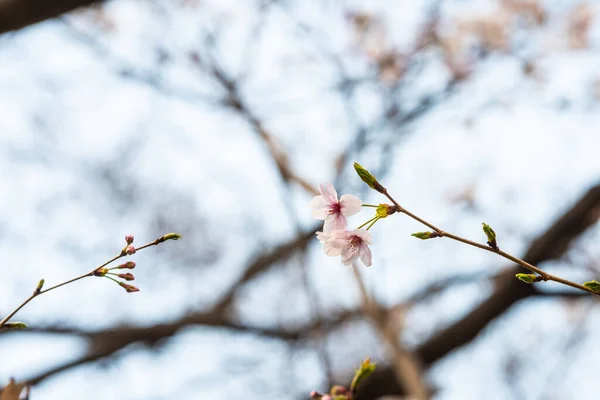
(350, 245)
(327, 207)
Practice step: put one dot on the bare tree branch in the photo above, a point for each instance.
(17, 14)
(550, 245)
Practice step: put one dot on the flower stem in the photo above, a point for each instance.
(373, 223)
(369, 221)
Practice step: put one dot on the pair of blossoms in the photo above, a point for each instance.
(336, 239)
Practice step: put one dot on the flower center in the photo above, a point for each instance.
(353, 242)
(334, 209)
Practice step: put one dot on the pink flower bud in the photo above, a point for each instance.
(127, 265)
(128, 288)
(130, 249)
(128, 276)
(129, 239)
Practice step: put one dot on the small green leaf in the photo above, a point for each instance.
(425, 235)
(39, 287)
(368, 178)
(15, 325)
(365, 369)
(490, 234)
(169, 236)
(528, 278)
(593, 285)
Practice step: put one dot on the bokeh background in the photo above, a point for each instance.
(218, 119)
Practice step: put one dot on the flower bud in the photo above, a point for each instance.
(169, 236)
(425, 235)
(528, 278)
(129, 239)
(365, 369)
(127, 265)
(368, 178)
(491, 236)
(39, 287)
(130, 249)
(128, 288)
(128, 276)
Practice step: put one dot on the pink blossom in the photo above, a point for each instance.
(327, 207)
(350, 245)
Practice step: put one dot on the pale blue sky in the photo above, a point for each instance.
(71, 125)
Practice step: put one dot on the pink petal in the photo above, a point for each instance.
(323, 237)
(333, 248)
(340, 234)
(329, 192)
(363, 234)
(349, 254)
(365, 254)
(320, 213)
(319, 205)
(318, 202)
(350, 205)
(334, 222)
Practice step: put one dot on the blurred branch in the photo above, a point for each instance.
(237, 104)
(17, 14)
(407, 368)
(263, 263)
(552, 244)
(106, 343)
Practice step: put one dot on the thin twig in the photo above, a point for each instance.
(38, 292)
(545, 276)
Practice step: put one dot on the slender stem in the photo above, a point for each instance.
(370, 205)
(9, 316)
(373, 223)
(112, 279)
(369, 221)
(91, 273)
(543, 274)
(67, 282)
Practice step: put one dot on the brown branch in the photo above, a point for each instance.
(264, 263)
(107, 343)
(407, 368)
(17, 14)
(490, 247)
(550, 245)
